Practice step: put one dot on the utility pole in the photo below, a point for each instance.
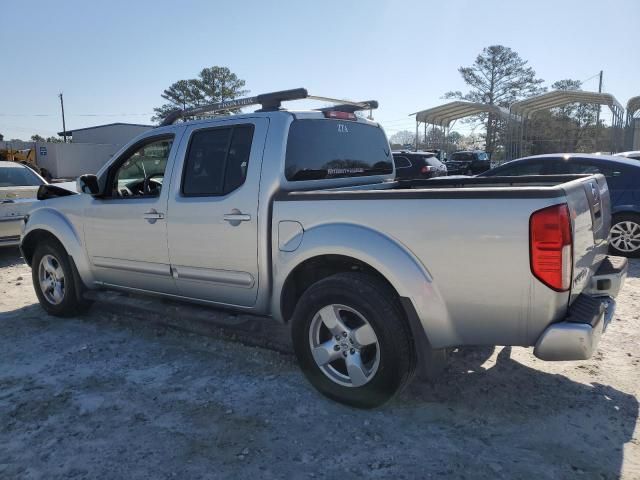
(64, 127)
(596, 145)
(599, 91)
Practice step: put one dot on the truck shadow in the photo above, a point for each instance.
(10, 256)
(527, 410)
(634, 268)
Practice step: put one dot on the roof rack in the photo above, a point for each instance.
(270, 102)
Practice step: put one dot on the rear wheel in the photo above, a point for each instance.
(624, 238)
(54, 281)
(352, 340)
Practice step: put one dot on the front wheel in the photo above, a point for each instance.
(352, 340)
(54, 281)
(624, 238)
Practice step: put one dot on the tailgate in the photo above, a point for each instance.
(590, 209)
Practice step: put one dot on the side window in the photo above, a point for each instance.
(401, 162)
(217, 160)
(528, 168)
(142, 172)
(585, 167)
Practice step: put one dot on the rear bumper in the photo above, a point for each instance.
(578, 335)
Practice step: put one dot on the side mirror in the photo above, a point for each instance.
(88, 184)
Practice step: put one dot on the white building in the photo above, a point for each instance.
(90, 149)
(110, 134)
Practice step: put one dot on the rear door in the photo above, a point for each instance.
(213, 211)
(612, 172)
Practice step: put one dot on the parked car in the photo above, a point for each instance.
(468, 162)
(18, 187)
(410, 165)
(633, 155)
(296, 215)
(623, 178)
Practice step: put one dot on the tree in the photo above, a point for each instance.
(214, 84)
(54, 140)
(499, 76)
(218, 84)
(1, 137)
(37, 138)
(403, 137)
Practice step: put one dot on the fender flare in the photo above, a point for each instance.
(396, 263)
(52, 221)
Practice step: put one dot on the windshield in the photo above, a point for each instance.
(13, 176)
(319, 149)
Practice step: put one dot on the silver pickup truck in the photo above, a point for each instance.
(296, 215)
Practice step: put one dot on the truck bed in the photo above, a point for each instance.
(474, 244)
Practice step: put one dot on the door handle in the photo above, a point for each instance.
(236, 216)
(152, 216)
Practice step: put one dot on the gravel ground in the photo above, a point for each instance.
(110, 396)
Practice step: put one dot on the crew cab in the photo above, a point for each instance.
(297, 215)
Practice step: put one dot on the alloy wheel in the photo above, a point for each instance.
(625, 236)
(344, 345)
(51, 279)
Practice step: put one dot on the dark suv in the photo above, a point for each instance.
(411, 165)
(468, 162)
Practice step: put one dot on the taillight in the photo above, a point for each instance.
(426, 169)
(550, 246)
(340, 115)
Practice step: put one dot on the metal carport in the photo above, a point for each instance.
(633, 124)
(526, 108)
(443, 115)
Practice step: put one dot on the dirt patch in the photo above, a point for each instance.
(110, 396)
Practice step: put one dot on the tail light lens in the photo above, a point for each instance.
(426, 169)
(340, 115)
(551, 246)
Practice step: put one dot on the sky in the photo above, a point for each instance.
(112, 59)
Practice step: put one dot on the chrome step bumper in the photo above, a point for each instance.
(578, 335)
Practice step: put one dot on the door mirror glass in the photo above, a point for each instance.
(88, 184)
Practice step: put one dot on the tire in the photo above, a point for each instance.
(624, 238)
(51, 264)
(387, 359)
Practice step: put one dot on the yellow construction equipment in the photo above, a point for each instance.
(25, 156)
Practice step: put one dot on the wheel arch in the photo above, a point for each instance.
(49, 224)
(334, 248)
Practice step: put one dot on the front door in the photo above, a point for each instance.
(213, 212)
(126, 231)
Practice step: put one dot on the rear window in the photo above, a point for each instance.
(433, 161)
(401, 162)
(320, 149)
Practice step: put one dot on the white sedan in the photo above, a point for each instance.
(18, 188)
